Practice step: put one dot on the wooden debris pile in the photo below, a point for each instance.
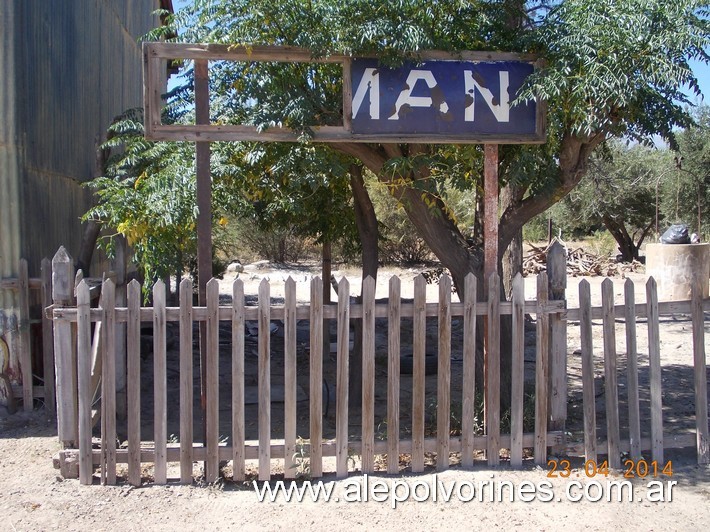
(580, 263)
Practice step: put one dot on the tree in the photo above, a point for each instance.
(613, 68)
(687, 191)
(619, 193)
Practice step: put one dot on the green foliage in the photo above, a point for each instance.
(686, 193)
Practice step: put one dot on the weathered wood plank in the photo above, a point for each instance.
(632, 370)
(542, 367)
(264, 380)
(63, 295)
(50, 397)
(393, 356)
(418, 373)
(557, 279)
(492, 392)
(25, 344)
(468, 407)
(701, 383)
(186, 382)
(517, 373)
(212, 388)
(443, 380)
(84, 381)
(238, 434)
(368, 375)
(654, 362)
(611, 388)
(290, 378)
(133, 382)
(160, 390)
(588, 396)
(108, 379)
(341, 387)
(316, 380)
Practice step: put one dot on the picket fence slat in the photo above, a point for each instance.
(541, 374)
(701, 383)
(418, 373)
(25, 347)
(632, 370)
(290, 378)
(469, 371)
(443, 382)
(238, 429)
(108, 381)
(83, 342)
(517, 372)
(264, 380)
(588, 395)
(160, 390)
(186, 382)
(368, 376)
(493, 372)
(316, 380)
(611, 388)
(342, 379)
(393, 354)
(133, 382)
(654, 363)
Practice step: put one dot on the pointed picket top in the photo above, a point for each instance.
(78, 278)
(519, 283)
(133, 284)
(62, 277)
(651, 285)
(395, 281)
(369, 286)
(608, 284)
(238, 292)
(290, 284)
(444, 285)
(158, 292)
(83, 296)
(584, 283)
(344, 288)
(213, 288)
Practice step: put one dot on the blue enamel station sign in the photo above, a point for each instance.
(453, 99)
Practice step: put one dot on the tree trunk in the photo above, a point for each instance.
(368, 230)
(512, 260)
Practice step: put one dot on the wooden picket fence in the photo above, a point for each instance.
(19, 339)
(76, 393)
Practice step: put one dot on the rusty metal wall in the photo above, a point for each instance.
(75, 64)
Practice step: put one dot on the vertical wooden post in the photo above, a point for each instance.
(264, 379)
(517, 372)
(238, 454)
(632, 371)
(212, 367)
(393, 356)
(557, 283)
(419, 373)
(587, 342)
(342, 387)
(160, 390)
(186, 382)
(654, 367)
(490, 247)
(119, 267)
(469, 371)
(133, 388)
(50, 398)
(492, 393)
(204, 207)
(368, 375)
(443, 377)
(108, 380)
(316, 380)
(611, 389)
(84, 382)
(701, 383)
(63, 295)
(542, 371)
(25, 344)
(290, 379)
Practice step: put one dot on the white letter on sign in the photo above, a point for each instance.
(405, 97)
(500, 109)
(370, 82)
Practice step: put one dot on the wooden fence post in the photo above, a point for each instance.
(63, 295)
(23, 283)
(50, 399)
(557, 284)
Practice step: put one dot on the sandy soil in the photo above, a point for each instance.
(34, 497)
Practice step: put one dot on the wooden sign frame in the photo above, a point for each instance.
(155, 56)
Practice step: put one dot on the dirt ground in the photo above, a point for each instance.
(34, 497)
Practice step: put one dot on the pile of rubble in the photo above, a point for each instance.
(580, 263)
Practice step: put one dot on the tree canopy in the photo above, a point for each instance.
(612, 68)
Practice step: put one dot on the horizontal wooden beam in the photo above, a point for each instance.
(233, 52)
